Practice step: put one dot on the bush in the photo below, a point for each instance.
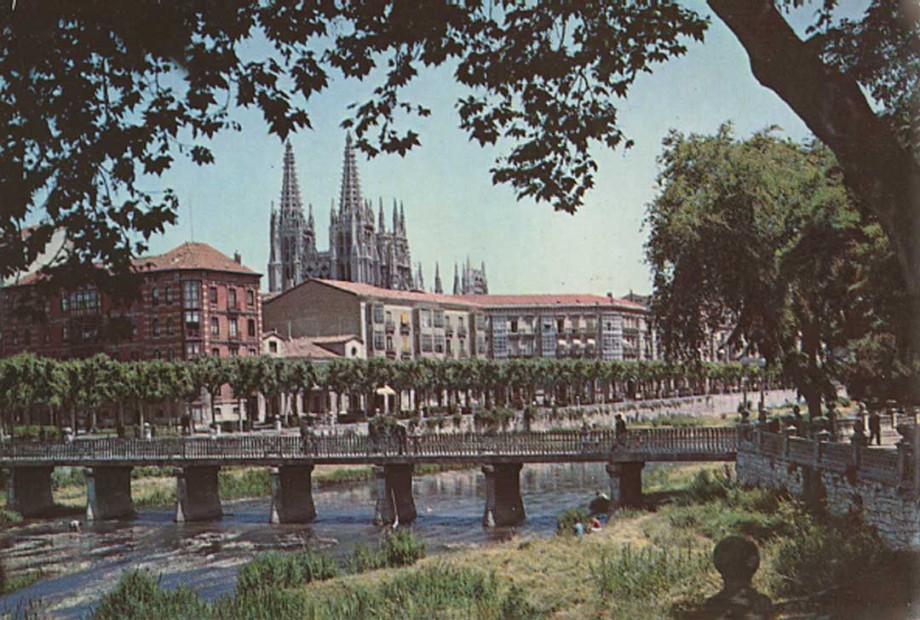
(565, 522)
(709, 485)
(139, 596)
(285, 570)
(817, 556)
(248, 482)
(396, 548)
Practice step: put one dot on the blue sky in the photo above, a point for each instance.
(452, 208)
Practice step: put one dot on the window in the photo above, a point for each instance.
(215, 351)
(354, 351)
(170, 294)
(155, 327)
(404, 318)
(251, 328)
(154, 296)
(65, 334)
(273, 346)
(170, 355)
(250, 297)
(192, 320)
(85, 302)
(390, 344)
(448, 350)
(378, 341)
(439, 343)
(438, 318)
(560, 325)
(192, 350)
(233, 327)
(191, 294)
(514, 326)
(212, 294)
(425, 318)
(46, 336)
(170, 326)
(157, 354)
(378, 313)
(406, 348)
(251, 353)
(215, 326)
(231, 298)
(426, 343)
(65, 303)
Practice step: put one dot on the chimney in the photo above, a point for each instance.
(237, 258)
(609, 295)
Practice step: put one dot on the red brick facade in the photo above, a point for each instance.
(194, 301)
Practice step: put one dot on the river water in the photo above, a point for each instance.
(206, 556)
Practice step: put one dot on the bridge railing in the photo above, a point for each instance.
(895, 467)
(658, 442)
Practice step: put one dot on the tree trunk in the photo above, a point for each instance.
(880, 170)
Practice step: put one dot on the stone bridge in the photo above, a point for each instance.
(197, 461)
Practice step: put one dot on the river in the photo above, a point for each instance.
(206, 556)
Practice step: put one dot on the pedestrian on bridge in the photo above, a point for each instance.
(620, 428)
(875, 428)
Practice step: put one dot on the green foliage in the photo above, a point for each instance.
(396, 548)
(138, 596)
(246, 482)
(285, 570)
(647, 572)
(816, 555)
(22, 580)
(565, 522)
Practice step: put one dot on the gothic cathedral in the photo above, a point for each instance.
(358, 252)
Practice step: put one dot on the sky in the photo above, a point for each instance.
(452, 209)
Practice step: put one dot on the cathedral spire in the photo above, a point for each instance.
(402, 219)
(395, 218)
(456, 281)
(290, 191)
(350, 198)
(437, 279)
(382, 225)
(311, 224)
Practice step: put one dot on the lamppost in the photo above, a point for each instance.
(762, 364)
(745, 362)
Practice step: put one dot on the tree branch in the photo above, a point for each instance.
(878, 168)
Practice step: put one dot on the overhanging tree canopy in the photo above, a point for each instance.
(95, 96)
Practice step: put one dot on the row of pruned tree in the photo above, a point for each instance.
(38, 390)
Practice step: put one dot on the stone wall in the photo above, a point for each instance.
(888, 505)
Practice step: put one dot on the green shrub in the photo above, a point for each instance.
(285, 570)
(139, 596)
(63, 477)
(396, 548)
(816, 555)
(565, 522)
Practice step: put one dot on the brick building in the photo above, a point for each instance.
(193, 300)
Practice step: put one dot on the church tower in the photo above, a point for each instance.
(289, 232)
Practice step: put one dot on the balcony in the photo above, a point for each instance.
(448, 331)
(390, 327)
(391, 355)
(404, 329)
(461, 331)
(406, 355)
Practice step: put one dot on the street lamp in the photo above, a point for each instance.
(762, 364)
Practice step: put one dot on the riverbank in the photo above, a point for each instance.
(652, 563)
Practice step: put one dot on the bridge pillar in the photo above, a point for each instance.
(197, 497)
(625, 484)
(393, 485)
(292, 494)
(108, 493)
(504, 505)
(28, 490)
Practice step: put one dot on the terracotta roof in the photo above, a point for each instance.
(192, 255)
(337, 339)
(305, 347)
(368, 290)
(488, 301)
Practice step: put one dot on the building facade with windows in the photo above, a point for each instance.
(193, 301)
(397, 325)
(564, 326)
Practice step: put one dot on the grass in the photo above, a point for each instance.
(652, 563)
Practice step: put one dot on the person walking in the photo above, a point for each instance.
(875, 428)
(620, 428)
